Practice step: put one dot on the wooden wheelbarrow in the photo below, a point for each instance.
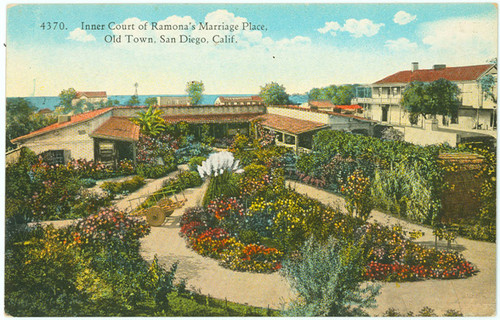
(164, 206)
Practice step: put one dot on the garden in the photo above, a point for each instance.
(402, 179)
(251, 221)
(93, 267)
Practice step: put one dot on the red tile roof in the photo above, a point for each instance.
(78, 118)
(290, 125)
(91, 94)
(212, 118)
(468, 73)
(118, 128)
(348, 107)
(321, 103)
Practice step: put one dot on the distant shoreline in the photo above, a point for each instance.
(51, 102)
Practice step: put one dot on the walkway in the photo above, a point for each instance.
(474, 296)
(123, 204)
(205, 275)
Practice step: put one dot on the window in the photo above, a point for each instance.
(289, 139)
(279, 136)
(53, 157)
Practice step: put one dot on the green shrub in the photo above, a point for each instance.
(87, 182)
(403, 191)
(126, 186)
(249, 236)
(195, 162)
(187, 179)
(328, 279)
(426, 312)
(154, 171)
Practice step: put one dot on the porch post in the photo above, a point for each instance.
(134, 153)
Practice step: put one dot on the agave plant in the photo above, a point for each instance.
(220, 168)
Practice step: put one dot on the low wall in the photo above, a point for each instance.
(425, 137)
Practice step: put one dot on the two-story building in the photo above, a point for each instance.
(476, 110)
(477, 113)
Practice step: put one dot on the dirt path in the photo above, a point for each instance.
(205, 275)
(474, 296)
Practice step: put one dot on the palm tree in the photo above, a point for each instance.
(150, 121)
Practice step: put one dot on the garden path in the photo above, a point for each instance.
(205, 275)
(474, 296)
(123, 204)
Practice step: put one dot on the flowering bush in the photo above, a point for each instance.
(255, 179)
(156, 150)
(97, 170)
(393, 257)
(224, 208)
(197, 214)
(358, 195)
(110, 224)
(212, 242)
(126, 186)
(253, 258)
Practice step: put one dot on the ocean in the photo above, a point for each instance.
(207, 99)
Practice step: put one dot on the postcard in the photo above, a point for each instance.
(259, 159)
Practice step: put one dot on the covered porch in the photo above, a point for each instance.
(116, 140)
(217, 125)
(290, 132)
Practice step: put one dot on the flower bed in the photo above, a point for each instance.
(290, 219)
(198, 226)
(267, 223)
(110, 224)
(127, 186)
(393, 257)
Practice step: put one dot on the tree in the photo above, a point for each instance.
(338, 95)
(150, 122)
(329, 280)
(315, 94)
(133, 101)
(488, 85)
(21, 119)
(274, 94)
(151, 101)
(437, 97)
(66, 97)
(195, 89)
(343, 95)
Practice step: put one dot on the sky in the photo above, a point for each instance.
(299, 46)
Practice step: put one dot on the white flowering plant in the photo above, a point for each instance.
(218, 163)
(221, 168)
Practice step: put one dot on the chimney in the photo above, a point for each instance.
(63, 118)
(439, 66)
(414, 66)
